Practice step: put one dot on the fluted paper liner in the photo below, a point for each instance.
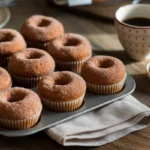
(26, 82)
(39, 45)
(4, 60)
(74, 66)
(106, 90)
(63, 106)
(20, 124)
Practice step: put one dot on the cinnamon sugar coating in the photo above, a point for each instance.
(70, 47)
(103, 70)
(11, 41)
(5, 80)
(31, 62)
(19, 103)
(41, 28)
(62, 86)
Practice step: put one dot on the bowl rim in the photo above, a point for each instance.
(127, 25)
(148, 69)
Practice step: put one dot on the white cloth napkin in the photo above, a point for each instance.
(103, 125)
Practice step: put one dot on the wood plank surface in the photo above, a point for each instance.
(105, 42)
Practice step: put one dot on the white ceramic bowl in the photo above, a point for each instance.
(148, 70)
(135, 39)
(4, 16)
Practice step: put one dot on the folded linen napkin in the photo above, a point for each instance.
(102, 125)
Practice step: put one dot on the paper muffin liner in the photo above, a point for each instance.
(25, 82)
(74, 66)
(39, 45)
(4, 60)
(106, 89)
(20, 124)
(63, 106)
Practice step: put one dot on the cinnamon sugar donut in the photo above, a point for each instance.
(29, 66)
(20, 108)
(38, 30)
(5, 80)
(104, 74)
(70, 51)
(62, 91)
(11, 42)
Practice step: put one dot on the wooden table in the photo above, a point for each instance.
(102, 37)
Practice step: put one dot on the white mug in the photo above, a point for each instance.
(135, 39)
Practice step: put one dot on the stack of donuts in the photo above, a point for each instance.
(59, 65)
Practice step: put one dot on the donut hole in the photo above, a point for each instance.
(15, 97)
(6, 37)
(71, 42)
(43, 23)
(34, 56)
(63, 80)
(106, 64)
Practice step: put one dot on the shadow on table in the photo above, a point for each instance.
(79, 21)
(118, 54)
(38, 141)
(142, 81)
(79, 12)
(142, 91)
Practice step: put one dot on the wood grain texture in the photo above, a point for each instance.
(105, 42)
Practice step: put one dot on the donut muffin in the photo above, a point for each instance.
(38, 30)
(11, 42)
(104, 75)
(20, 108)
(70, 51)
(28, 67)
(62, 91)
(5, 80)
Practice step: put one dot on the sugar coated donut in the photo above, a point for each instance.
(11, 42)
(29, 66)
(5, 80)
(38, 30)
(62, 91)
(104, 74)
(20, 108)
(70, 51)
